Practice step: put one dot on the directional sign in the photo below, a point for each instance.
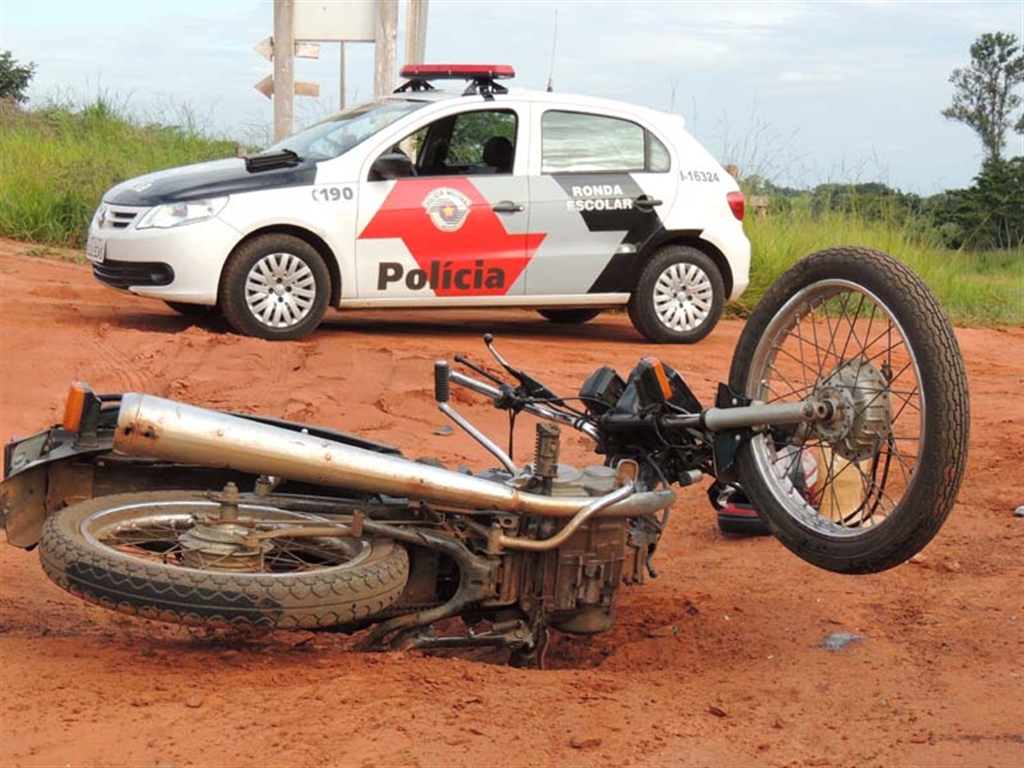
(303, 50)
(266, 87)
(330, 20)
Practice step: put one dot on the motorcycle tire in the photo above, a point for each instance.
(858, 327)
(126, 553)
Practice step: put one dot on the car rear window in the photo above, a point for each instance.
(575, 142)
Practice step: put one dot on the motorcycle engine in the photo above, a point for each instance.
(583, 575)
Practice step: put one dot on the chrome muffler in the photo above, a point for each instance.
(156, 428)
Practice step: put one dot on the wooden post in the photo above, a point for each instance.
(341, 77)
(416, 31)
(284, 68)
(385, 48)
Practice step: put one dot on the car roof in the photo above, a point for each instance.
(552, 98)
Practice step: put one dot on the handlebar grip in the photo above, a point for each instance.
(442, 381)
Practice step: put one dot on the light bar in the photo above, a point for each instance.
(457, 71)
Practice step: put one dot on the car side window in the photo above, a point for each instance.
(573, 142)
(467, 144)
(482, 142)
(658, 159)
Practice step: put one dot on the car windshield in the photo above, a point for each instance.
(338, 134)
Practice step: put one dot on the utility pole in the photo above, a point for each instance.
(416, 31)
(386, 45)
(284, 68)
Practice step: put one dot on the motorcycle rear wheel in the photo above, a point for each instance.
(139, 554)
(857, 326)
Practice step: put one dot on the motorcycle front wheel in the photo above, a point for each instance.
(868, 488)
(175, 556)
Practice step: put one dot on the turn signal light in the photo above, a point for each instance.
(661, 377)
(74, 407)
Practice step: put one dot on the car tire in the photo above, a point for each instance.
(569, 316)
(679, 296)
(275, 287)
(192, 311)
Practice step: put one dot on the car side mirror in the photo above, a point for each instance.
(393, 165)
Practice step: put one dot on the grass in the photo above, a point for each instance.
(975, 287)
(56, 163)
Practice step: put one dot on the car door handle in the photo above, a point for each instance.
(645, 203)
(507, 206)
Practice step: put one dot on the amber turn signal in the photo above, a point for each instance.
(75, 405)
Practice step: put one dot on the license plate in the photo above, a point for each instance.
(96, 249)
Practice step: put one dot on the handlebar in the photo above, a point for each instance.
(535, 398)
(507, 392)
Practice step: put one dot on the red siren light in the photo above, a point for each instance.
(457, 71)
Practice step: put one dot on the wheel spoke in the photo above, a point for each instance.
(842, 339)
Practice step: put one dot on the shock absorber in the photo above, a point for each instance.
(545, 460)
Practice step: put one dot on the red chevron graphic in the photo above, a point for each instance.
(481, 244)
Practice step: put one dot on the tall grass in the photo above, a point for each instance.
(56, 163)
(976, 288)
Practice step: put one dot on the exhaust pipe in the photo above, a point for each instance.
(156, 428)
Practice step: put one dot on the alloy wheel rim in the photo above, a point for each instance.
(280, 290)
(683, 296)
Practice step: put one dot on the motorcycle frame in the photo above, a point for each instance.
(198, 445)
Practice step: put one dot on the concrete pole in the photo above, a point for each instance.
(341, 77)
(385, 48)
(416, 31)
(284, 68)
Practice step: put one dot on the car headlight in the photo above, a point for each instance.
(177, 214)
(100, 215)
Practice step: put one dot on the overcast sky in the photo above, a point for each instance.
(798, 92)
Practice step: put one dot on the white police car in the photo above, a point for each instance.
(427, 198)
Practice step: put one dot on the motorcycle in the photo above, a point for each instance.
(844, 423)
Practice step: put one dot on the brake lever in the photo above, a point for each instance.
(533, 387)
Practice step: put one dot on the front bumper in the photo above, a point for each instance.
(177, 264)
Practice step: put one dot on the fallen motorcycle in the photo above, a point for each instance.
(844, 422)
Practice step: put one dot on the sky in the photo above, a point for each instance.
(798, 92)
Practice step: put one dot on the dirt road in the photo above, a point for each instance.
(716, 662)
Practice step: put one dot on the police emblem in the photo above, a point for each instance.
(448, 208)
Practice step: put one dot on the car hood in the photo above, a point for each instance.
(202, 180)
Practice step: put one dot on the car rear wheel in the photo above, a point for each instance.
(679, 296)
(275, 287)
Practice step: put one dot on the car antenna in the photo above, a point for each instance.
(551, 70)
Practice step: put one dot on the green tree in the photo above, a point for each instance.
(991, 213)
(984, 94)
(14, 78)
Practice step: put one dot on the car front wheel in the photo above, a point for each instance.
(275, 287)
(679, 296)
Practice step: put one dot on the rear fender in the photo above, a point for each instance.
(45, 472)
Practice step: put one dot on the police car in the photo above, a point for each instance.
(477, 197)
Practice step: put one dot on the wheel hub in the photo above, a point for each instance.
(222, 546)
(862, 411)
